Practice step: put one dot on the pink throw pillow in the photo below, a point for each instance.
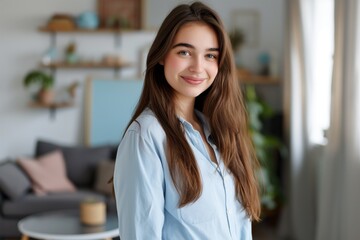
(48, 173)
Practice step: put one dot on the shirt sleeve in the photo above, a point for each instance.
(139, 189)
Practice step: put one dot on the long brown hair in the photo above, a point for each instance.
(222, 103)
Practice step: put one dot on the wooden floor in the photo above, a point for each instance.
(265, 231)
(261, 231)
(267, 228)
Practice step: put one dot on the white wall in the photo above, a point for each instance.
(21, 48)
(272, 14)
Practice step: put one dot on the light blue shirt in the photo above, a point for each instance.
(146, 198)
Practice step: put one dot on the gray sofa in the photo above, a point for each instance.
(84, 167)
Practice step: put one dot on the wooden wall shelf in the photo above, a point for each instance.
(249, 78)
(80, 30)
(254, 79)
(51, 105)
(86, 65)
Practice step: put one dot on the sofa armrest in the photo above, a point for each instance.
(14, 182)
(2, 198)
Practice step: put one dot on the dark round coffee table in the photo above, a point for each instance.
(66, 225)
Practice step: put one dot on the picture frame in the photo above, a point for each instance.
(120, 14)
(142, 61)
(248, 22)
(153, 23)
(109, 105)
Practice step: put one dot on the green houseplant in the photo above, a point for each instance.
(237, 39)
(44, 82)
(266, 146)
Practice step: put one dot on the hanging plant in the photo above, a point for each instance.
(266, 148)
(44, 82)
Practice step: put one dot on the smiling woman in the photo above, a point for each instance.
(185, 167)
(191, 65)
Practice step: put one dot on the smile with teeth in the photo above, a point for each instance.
(193, 80)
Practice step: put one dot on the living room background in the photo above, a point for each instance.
(22, 47)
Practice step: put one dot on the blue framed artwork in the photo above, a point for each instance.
(109, 107)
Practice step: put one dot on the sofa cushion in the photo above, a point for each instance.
(32, 203)
(13, 181)
(111, 204)
(104, 173)
(48, 173)
(80, 161)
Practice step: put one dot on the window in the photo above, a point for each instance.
(322, 69)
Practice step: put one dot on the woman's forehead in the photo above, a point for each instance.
(197, 34)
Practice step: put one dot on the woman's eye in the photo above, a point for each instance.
(184, 53)
(211, 56)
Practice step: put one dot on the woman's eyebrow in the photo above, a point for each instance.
(192, 47)
(183, 45)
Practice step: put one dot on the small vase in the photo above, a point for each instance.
(71, 58)
(46, 96)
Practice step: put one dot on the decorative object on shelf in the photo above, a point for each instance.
(122, 14)
(267, 147)
(61, 22)
(264, 61)
(274, 64)
(72, 89)
(66, 94)
(45, 82)
(112, 59)
(70, 53)
(247, 21)
(87, 20)
(117, 23)
(50, 56)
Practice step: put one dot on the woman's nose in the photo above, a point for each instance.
(197, 64)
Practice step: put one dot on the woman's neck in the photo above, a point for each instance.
(185, 109)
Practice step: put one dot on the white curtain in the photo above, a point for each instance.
(324, 182)
(339, 186)
(298, 220)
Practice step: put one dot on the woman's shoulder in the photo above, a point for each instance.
(146, 124)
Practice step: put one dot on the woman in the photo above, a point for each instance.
(185, 168)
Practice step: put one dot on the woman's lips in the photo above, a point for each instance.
(192, 80)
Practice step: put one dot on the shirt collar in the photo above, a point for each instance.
(203, 120)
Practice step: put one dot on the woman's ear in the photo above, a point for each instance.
(161, 62)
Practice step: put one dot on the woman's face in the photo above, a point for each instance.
(191, 64)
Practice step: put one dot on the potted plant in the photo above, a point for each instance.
(237, 39)
(44, 82)
(268, 148)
